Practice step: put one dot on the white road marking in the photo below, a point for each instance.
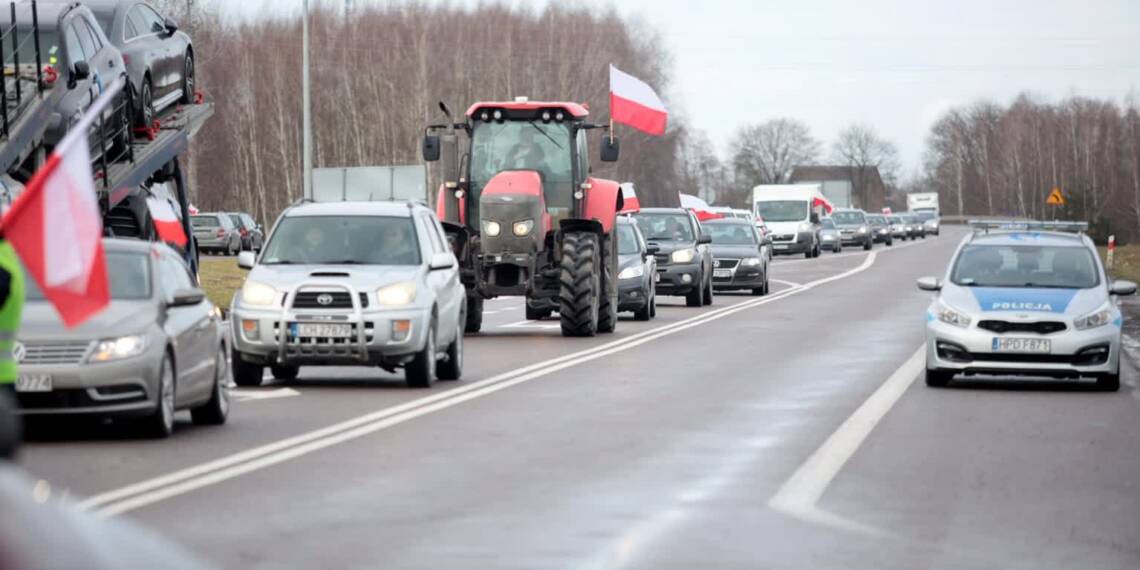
(183, 481)
(788, 283)
(830, 256)
(800, 494)
(249, 395)
(537, 325)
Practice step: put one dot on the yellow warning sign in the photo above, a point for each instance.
(1056, 198)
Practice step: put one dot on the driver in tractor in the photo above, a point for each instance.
(527, 155)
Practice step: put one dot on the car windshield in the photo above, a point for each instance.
(665, 227)
(627, 240)
(731, 234)
(783, 210)
(128, 274)
(236, 219)
(343, 240)
(925, 216)
(205, 222)
(827, 224)
(849, 218)
(1062, 267)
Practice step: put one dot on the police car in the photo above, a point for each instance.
(1025, 299)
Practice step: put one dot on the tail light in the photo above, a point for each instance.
(221, 233)
(244, 232)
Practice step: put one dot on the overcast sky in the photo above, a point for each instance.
(893, 64)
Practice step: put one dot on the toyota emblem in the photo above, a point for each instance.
(19, 352)
(324, 299)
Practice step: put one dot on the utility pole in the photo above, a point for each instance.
(306, 103)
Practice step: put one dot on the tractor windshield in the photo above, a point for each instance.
(524, 145)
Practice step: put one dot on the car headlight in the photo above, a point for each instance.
(683, 255)
(492, 228)
(805, 227)
(258, 294)
(632, 272)
(750, 261)
(396, 295)
(951, 316)
(862, 229)
(1101, 317)
(118, 348)
(523, 228)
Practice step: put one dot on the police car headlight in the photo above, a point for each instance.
(523, 228)
(683, 255)
(492, 229)
(952, 316)
(119, 348)
(1093, 320)
(258, 294)
(396, 295)
(632, 272)
(750, 262)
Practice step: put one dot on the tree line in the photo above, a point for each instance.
(378, 74)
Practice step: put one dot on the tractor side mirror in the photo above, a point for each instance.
(611, 148)
(431, 148)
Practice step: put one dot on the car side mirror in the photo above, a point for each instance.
(442, 261)
(1122, 288)
(80, 71)
(815, 218)
(171, 25)
(246, 260)
(929, 284)
(431, 148)
(187, 298)
(653, 249)
(705, 239)
(611, 148)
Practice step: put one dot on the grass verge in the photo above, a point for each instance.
(221, 278)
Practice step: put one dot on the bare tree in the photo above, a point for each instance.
(766, 153)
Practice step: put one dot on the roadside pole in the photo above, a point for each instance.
(306, 103)
(1111, 251)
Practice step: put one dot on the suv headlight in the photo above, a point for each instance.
(750, 261)
(396, 295)
(951, 316)
(492, 228)
(805, 227)
(118, 348)
(523, 228)
(632, 272)
(683, 255)
(258, 294)
(1099, 318)
(862, 229)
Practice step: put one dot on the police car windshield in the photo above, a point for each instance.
(1053, 267)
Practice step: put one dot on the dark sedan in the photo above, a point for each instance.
(637, 271)
(738, 256)
(252, 238)
(684, 260)
(159, 57)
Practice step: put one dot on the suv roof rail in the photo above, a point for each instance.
(985, 226)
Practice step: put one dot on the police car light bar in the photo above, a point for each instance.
(985, 226)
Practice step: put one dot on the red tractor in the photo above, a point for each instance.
(523, 214)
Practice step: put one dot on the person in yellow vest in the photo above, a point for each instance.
(11, 307)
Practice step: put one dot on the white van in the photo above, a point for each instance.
(791, 212)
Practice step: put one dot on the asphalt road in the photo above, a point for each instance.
(790, 431)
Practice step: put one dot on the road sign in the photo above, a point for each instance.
(1056, 198)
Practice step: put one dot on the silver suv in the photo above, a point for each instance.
(351, 283)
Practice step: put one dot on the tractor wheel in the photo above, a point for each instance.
(607, 305)
(474, 315)
(580, 284)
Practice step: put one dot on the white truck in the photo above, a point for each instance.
(923, 203)
(792, 213)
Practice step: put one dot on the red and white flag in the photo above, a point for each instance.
(166, 222)
(630, 203)
(634, 103)
(56, 227)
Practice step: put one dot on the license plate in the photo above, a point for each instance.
(320, 330)
(1023, 345)
(34, 383)
(780, 246)
(722, 273)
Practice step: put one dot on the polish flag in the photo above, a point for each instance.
(634, 103)
(823, 203)
(630, 203)
(56, 228)
(166, 222)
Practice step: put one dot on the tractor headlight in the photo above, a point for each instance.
(632, 272)
(523, 228)
(396, 295)
(258, 294)
(492, 228)
(1101, 317)
(683, 255)
(750, 262)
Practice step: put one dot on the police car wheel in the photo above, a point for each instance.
(1108, 383)
(938, 378)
